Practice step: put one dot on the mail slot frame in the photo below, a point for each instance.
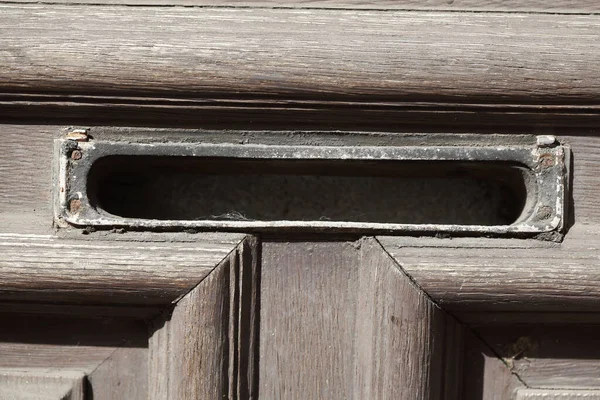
(547, 162)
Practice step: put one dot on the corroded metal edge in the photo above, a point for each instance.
(547, 161)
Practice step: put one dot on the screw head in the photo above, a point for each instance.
(75, 206)
(76, 155)
(546, 160)
(544, 212)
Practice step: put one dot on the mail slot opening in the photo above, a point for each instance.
(235, 189)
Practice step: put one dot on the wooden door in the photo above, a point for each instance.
(89, 312)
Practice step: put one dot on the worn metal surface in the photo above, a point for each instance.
(545, 168)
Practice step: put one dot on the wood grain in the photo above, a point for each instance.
(339, 322)
(469, 275)
(484, 375)
(25, 178)
(65, 342)
(44, 268)
(299, 54)
(42, 385)
(548, 356)
(561, 6)
(541, 394)
(122, 376)
(205, 349)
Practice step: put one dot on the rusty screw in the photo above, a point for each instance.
(546, 160)
(75, 206)
(544, 212)
(76, 155)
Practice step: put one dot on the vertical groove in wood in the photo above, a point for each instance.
(201, 351)
(249, 317)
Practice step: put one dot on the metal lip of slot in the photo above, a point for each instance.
(547, 162)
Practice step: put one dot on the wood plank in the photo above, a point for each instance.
(544, 394)
(300, 54)
(40, 342)
(25, 178)
(42, 385)
(467, 277)
(205, 349)
(44, 268)
(485, 376)
(562, 6)
(548, 356)
(122, 376)
(347, 323)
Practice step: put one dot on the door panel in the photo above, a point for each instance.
(341, 320)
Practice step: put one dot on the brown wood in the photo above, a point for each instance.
(342, 55)
(342, 322)
(44, 268)
(562, 6)
(205, 349)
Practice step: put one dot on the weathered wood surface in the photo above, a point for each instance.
(41, 384)
(342, 322)
(206, 348)
(558, 6)
(483, 274)
(485, 376)
(550, 355)
(122, 376)
(44, 269)
(288, 54)
(64, 342)
(545, 394)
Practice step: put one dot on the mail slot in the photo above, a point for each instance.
(518, 190)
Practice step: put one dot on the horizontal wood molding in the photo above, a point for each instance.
(45, 269)
(179, 60)
(557, 6)
(469, 275)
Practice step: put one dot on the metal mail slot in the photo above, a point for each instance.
(461, 190)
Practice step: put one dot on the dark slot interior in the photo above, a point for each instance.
(196, 188)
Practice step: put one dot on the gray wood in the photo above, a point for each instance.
(550, 356)
(122, 376)
(205, 349)
(562, 6)
(287, 54)
(44, 268)
(474, 274)
(484, 375)
(340, 320)
(41, 385)
(544, 394)
(45, 342)
(25, 176)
